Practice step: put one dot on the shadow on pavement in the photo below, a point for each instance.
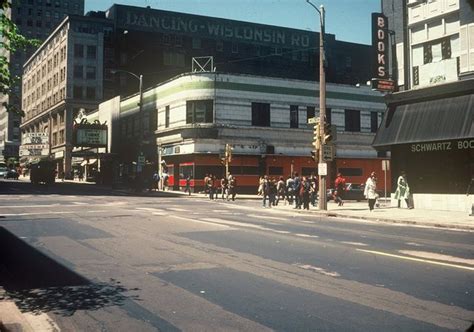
(37, 283)
(74, 188)
(65, 301)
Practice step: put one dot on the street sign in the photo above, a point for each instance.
(385, 165)
(328, 152)
(323, 169)
(313, 120)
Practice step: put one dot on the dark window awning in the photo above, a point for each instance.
(427, 121)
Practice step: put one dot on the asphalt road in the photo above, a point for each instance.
(102, 260)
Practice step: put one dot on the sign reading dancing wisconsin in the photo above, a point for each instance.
(92, 135)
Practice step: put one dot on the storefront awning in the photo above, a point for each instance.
(91, 161)
(427, 121)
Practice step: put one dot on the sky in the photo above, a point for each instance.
(349, 20)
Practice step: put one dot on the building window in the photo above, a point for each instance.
(90, 73)
(352, 120)
(90, 93)
(294, 116)
(179, 41)
(91, 51)
(235, 47)
(328, 116)
(197, 43)
(78, 50)
(374, 125)
(199, 111)
(219, 46)
(275, 170)
(310, 113)
(261, 114)
(77, 92)
(167, 116)
(78, 71)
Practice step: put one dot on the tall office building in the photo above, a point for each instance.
(35, 19)
(429, 124)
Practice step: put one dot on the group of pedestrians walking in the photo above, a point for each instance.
(227, 187)
(302, 191)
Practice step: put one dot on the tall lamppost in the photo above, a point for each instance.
(140, 108)
(322, 203)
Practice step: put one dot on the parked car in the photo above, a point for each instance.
(353, 192)
(11, 174)
(3, 170)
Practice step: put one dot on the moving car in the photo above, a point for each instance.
(11, 174)
(43, 171)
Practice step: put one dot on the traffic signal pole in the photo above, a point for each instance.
(322, 202)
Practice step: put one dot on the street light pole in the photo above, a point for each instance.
(140, 109)
(322, 202)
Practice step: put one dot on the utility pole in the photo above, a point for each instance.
(322, 202)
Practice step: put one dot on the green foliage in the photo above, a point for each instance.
(10, 41)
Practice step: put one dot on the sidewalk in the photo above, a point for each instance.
(383, 213)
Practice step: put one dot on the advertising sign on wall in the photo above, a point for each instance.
(34, 145)
(87, 134)
(380, 45)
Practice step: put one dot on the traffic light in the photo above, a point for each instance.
(314, 155)
(329, 133)
(316, 138)
(228, 153)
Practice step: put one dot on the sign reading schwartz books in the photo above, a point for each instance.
(93, 135)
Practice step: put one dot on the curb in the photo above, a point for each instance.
(392, 221)
(327, 214)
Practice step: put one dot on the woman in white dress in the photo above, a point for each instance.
(370, 190)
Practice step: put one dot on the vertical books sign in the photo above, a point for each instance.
(380, 45)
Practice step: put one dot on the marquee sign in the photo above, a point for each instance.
(155, 20)
(380, 44)
(34, 145)
(87, 134)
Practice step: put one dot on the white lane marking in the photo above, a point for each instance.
(439, 257)
(202, 222)
(150, 209)
(36, 213)
(355, 243)
(176, 209)
(79, 203)
(235, 223)
(317, 269)
(414, 244)
(265, 217)
(307, 235)
(58, 205)
(159, 214)
(280, 232)
(417, 259)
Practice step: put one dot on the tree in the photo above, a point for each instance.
(10, 41)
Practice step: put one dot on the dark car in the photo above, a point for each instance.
(353, 192)
(43, 171)
(11, 174)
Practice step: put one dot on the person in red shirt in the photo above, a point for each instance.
(340, 185)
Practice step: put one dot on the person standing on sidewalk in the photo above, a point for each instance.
(340, 185)
(305, 189)
(265, 190)
(289, 189)
(281, 189)
(370, 190)
(188, 185)
(224, 188)
(296, 190)
(403, 190)
(232, 187)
